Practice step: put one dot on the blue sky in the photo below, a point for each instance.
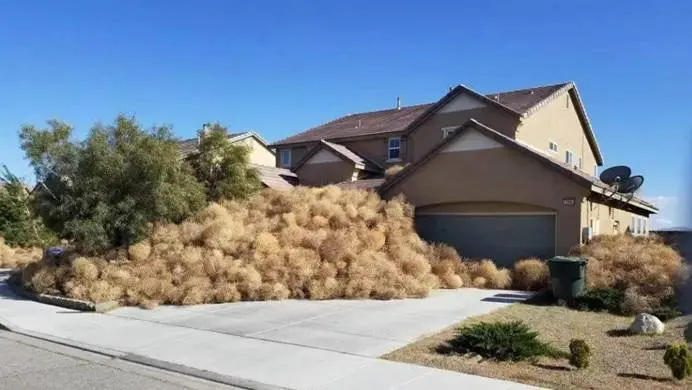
(282, 66)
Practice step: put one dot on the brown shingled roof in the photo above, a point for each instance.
(395, 120)
(277, 178)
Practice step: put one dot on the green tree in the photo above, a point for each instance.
(18, 225)
(223, 168)
(107, 190)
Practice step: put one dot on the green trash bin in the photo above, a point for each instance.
(567, 276)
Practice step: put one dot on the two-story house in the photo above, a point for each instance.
(505, 176)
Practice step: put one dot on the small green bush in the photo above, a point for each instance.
(600, 299)
(679, 359)
(580, 354)
(503, 341)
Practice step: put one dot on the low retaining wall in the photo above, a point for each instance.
(14, 282)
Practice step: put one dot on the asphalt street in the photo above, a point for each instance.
(32, 364)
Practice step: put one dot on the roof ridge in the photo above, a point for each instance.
(530, 88)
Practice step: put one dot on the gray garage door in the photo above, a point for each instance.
(503, 238)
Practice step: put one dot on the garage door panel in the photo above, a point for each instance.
(503, 238)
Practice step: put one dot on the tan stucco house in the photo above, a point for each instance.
(261, 158)
(507, 175)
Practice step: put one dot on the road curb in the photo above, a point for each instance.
(141, 360)
(68, 303)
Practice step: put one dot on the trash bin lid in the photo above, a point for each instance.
(567, 259)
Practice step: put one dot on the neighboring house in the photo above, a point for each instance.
(505, 176)
(261, 158)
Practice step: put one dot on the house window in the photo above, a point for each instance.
(552, 146)
(446, 131)
(285, 157)
(394, 149)
(581, 163)
(595, 170)
(639, 226)
(569, 158)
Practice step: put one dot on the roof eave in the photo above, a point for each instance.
(631, 201)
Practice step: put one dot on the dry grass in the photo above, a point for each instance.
(629, 362)
(313, 243)
(531, 275)
(11, 257)
(644, 268)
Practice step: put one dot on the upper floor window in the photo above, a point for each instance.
(552, 146)
(285, 157)
(394, 148)
(569, 158)
(581, 163)
(595, 170)
(446, 131)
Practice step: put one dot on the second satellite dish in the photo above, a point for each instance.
(614, 175)
(631, 185)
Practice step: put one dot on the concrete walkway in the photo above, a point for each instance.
(287, 344)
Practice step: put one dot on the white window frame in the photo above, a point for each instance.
(390, 148)
(285, 152)
(569, 161)
(446, 131)
(595, 171)
(580, 162)
(553, 147)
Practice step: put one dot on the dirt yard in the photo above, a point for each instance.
(619, 361)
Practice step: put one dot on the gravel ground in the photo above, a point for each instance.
(619, 362)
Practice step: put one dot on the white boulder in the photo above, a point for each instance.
(647, 324)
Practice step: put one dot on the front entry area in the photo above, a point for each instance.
(503, 238)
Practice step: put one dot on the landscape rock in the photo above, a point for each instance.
(647, 324)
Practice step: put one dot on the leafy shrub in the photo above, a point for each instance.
(530, 275)
(106, 191)
(222, 167)
(580, 354)
(599, 299)
(315, 243)
(679, 359)
(501, 341)
(18, 224)
(644, 266)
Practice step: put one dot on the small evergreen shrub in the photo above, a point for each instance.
(600, 299)
(580, 354)
(502, 341)
(679, 359)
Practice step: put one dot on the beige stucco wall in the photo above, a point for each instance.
(325, 173)
(259, 154)
(376, 149)
(605, 217)
(429, 134)
(497, 175)
(558, 122)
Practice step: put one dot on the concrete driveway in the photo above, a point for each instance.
(271, 345)
(359, 327)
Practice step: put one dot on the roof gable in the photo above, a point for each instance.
(327, 151)
(493, 138)
(189, 146)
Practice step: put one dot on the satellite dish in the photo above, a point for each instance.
(631, 185)
(615, 175)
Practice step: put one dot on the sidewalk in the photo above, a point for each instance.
(232, 359)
